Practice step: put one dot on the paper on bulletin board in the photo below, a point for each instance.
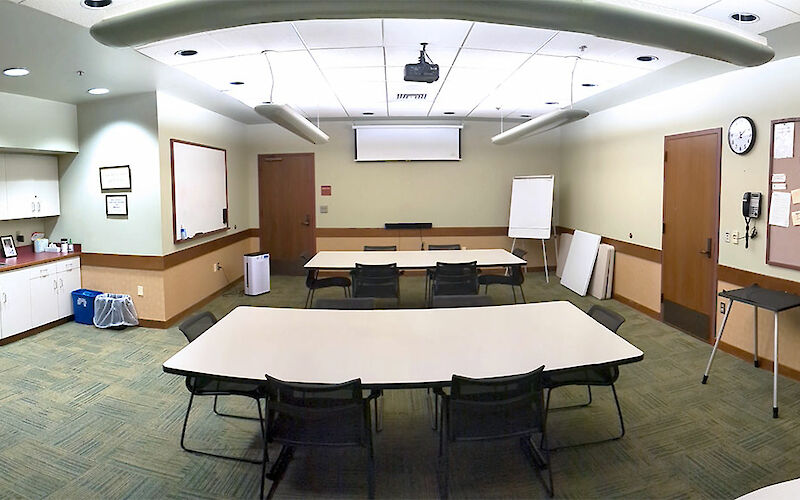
(778, 177)
(784, 140)
(795, 195)
(796, 218)
(779, 209)
(779, 187)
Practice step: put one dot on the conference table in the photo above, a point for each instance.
(412, 259)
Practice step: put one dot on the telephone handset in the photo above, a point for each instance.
(751, 205)
(751, 209)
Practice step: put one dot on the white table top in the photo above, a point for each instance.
(413, 259)
(400, 347)
(787, 490)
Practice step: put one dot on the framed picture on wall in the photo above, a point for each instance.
(115, 178)
(116, 204)
(9, 249)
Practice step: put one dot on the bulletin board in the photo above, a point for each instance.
(783, 242)
(199, 190)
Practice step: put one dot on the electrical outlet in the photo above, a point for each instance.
(140, 291)
(323, 209)
(722, 307)
(727, 236)
(735, 237)
(217, 266)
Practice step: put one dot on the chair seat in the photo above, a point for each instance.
(209, 386)
(298, 431)
(328, 282)
(605, 375)
(495, 279)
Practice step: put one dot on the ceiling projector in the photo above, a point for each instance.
(422, 71)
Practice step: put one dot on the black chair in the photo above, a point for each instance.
(324, 415)
(589, 376)
(192, 328)
(347, 303)
(380, 248)
(314, 283)
(462, 301)
(377, 281)
(454, 246)
(514, 277)
(455, 279)
(429, 272)
(494, 408)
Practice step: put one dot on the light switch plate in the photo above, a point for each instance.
(727, 236)
(323, 209)
(140, 291)
(735, 237)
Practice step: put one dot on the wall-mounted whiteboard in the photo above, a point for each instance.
(407, 142)
(199, 189)
(531, 207)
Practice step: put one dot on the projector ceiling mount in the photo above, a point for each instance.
(422, 71)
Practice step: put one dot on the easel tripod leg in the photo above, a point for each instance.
(755, 336)
(775, 371)
(719, 337)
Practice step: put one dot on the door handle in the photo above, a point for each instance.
(307, 222)
(5, 298)
(33, 206)
(38, 206)
(707, 251)
(60, 283)
(55, 285)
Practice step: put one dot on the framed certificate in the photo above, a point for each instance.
(115, 178)
(116, 204)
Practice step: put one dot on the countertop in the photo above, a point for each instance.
(26, 257)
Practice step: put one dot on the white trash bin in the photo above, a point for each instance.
(114, 310)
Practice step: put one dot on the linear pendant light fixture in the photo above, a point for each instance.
(539, 124)
(294, 122)
(629, 21)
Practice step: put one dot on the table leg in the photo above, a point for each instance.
(775, 372)
(755, 336)
(719, 337)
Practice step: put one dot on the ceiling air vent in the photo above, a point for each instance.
(412, 97)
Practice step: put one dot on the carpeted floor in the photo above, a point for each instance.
(88, 413)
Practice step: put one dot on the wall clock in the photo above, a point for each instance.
(742, 135)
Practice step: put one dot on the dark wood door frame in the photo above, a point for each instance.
(712, 284)
(313, 217)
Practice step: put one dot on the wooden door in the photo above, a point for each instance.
(690, 232)
(286, 208)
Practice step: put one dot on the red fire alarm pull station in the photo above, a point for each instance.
(326, 190)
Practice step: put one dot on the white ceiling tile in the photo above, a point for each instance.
(72, 11)
(256, 38)
(793, 5)
(252, 70)
(324, 34)
(400, 56)
(510, 38)
(348, 58)
(627, 56)
(771, 16)
(567, 44)
(681, 5)
(489, 59)
(412, 32)
(207, 48)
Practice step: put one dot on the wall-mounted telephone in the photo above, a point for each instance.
(751, 209)
(751, 205)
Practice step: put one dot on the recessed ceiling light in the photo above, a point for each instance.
(588, 85)
(95, 4)
(551, 103)
(237, 83)
(186, 52)
(16, 71)
(367, 113)
(647, 58)
(744, 17)
(524, 116)
(98, 91)
(449, 112)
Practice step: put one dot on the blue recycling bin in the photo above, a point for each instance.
(83, 305)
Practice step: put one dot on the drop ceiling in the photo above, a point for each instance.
(353, 68)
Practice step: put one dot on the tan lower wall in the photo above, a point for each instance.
(638, 280)
(739, 330)
(534, 247)
(190, 282)
(115, 280)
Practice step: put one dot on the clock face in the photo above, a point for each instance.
(741, 135)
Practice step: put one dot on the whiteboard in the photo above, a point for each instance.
(531, 207)
(199, 189)
(580, 261)
(407, 142)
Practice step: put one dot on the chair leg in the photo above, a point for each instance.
(379, 413)
(370, 467)
(579, 405)
(230, 415)
(227, 457)
(308, 295)
(444, 463)
(619, 412)
(522, 292)
(514, 294)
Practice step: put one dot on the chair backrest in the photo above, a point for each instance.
(380, 248)
(455, 278)
(193, 326)
(375, 280)
(454, 246)
(606, 317)
(496, 407)
(519, 252)
(302, 408)
(462, 301)
(348, 303)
